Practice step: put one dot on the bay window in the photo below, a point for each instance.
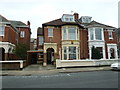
(70, 52)
(95, 34)
(69, 33)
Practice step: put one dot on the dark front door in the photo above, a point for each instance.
(50, 55)
(2, 54)
(34, 58)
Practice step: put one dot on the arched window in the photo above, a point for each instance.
(112, 53)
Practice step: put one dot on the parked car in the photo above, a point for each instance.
(115, 66)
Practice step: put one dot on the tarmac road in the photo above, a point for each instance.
(96, 79)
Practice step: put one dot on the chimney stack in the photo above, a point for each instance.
(28, 23)
(76, 16)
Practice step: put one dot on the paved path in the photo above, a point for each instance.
(40, 70)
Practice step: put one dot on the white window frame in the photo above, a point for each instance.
(67, 34)
(22, 34)
(67, 51)
(94, 36)
(110, 34)
(50, 32)
(2, 30)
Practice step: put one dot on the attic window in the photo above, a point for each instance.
(67, 18)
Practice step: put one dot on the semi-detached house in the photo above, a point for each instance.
(72, 38)
(12, 33)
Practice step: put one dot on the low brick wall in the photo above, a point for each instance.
(12, 65)
(78, 63)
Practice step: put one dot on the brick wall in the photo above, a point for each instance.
(9, 36)
(26, 39)
(55, 39)
(83, 44)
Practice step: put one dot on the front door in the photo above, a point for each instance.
(50, 56)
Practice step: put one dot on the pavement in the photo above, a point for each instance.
(50, 69)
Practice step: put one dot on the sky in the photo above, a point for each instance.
(42, 11)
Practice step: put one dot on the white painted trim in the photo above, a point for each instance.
(7, 46)
(109, 46)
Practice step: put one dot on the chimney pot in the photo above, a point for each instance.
(76, 16)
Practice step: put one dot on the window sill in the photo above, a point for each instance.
(50, 36)
(110, 38)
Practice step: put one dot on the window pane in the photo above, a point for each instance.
(65, 53)
(110, 34)
(72, 52)
(64, 34)
(2, 30)
(50, 32)
(40, 40)
(91, 34)
(22, 34)
(98, 34)
(72, 33)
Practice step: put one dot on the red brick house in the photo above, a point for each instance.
(71, 38)
(12, 33)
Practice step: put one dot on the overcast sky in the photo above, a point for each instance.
(41, 11)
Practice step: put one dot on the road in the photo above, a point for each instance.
(96, 79)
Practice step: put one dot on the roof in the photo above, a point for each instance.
(39, 31)
(58, 22)
(3, 19)
(94, 23)
(118, 31)
(18, 24)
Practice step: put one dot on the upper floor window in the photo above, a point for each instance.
(95, 34)
(98, 34)
(50, 32)
(64, 34)
(69, 33)
(2, 29)
(22, 34)
(110, 35)
(72, 33)
(41, 40)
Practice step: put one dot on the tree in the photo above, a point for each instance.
(21, 51)
(95, 53)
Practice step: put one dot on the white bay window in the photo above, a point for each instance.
(69, 33)
(96, 34)
(70, 53)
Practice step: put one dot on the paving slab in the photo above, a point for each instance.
(40, 70)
